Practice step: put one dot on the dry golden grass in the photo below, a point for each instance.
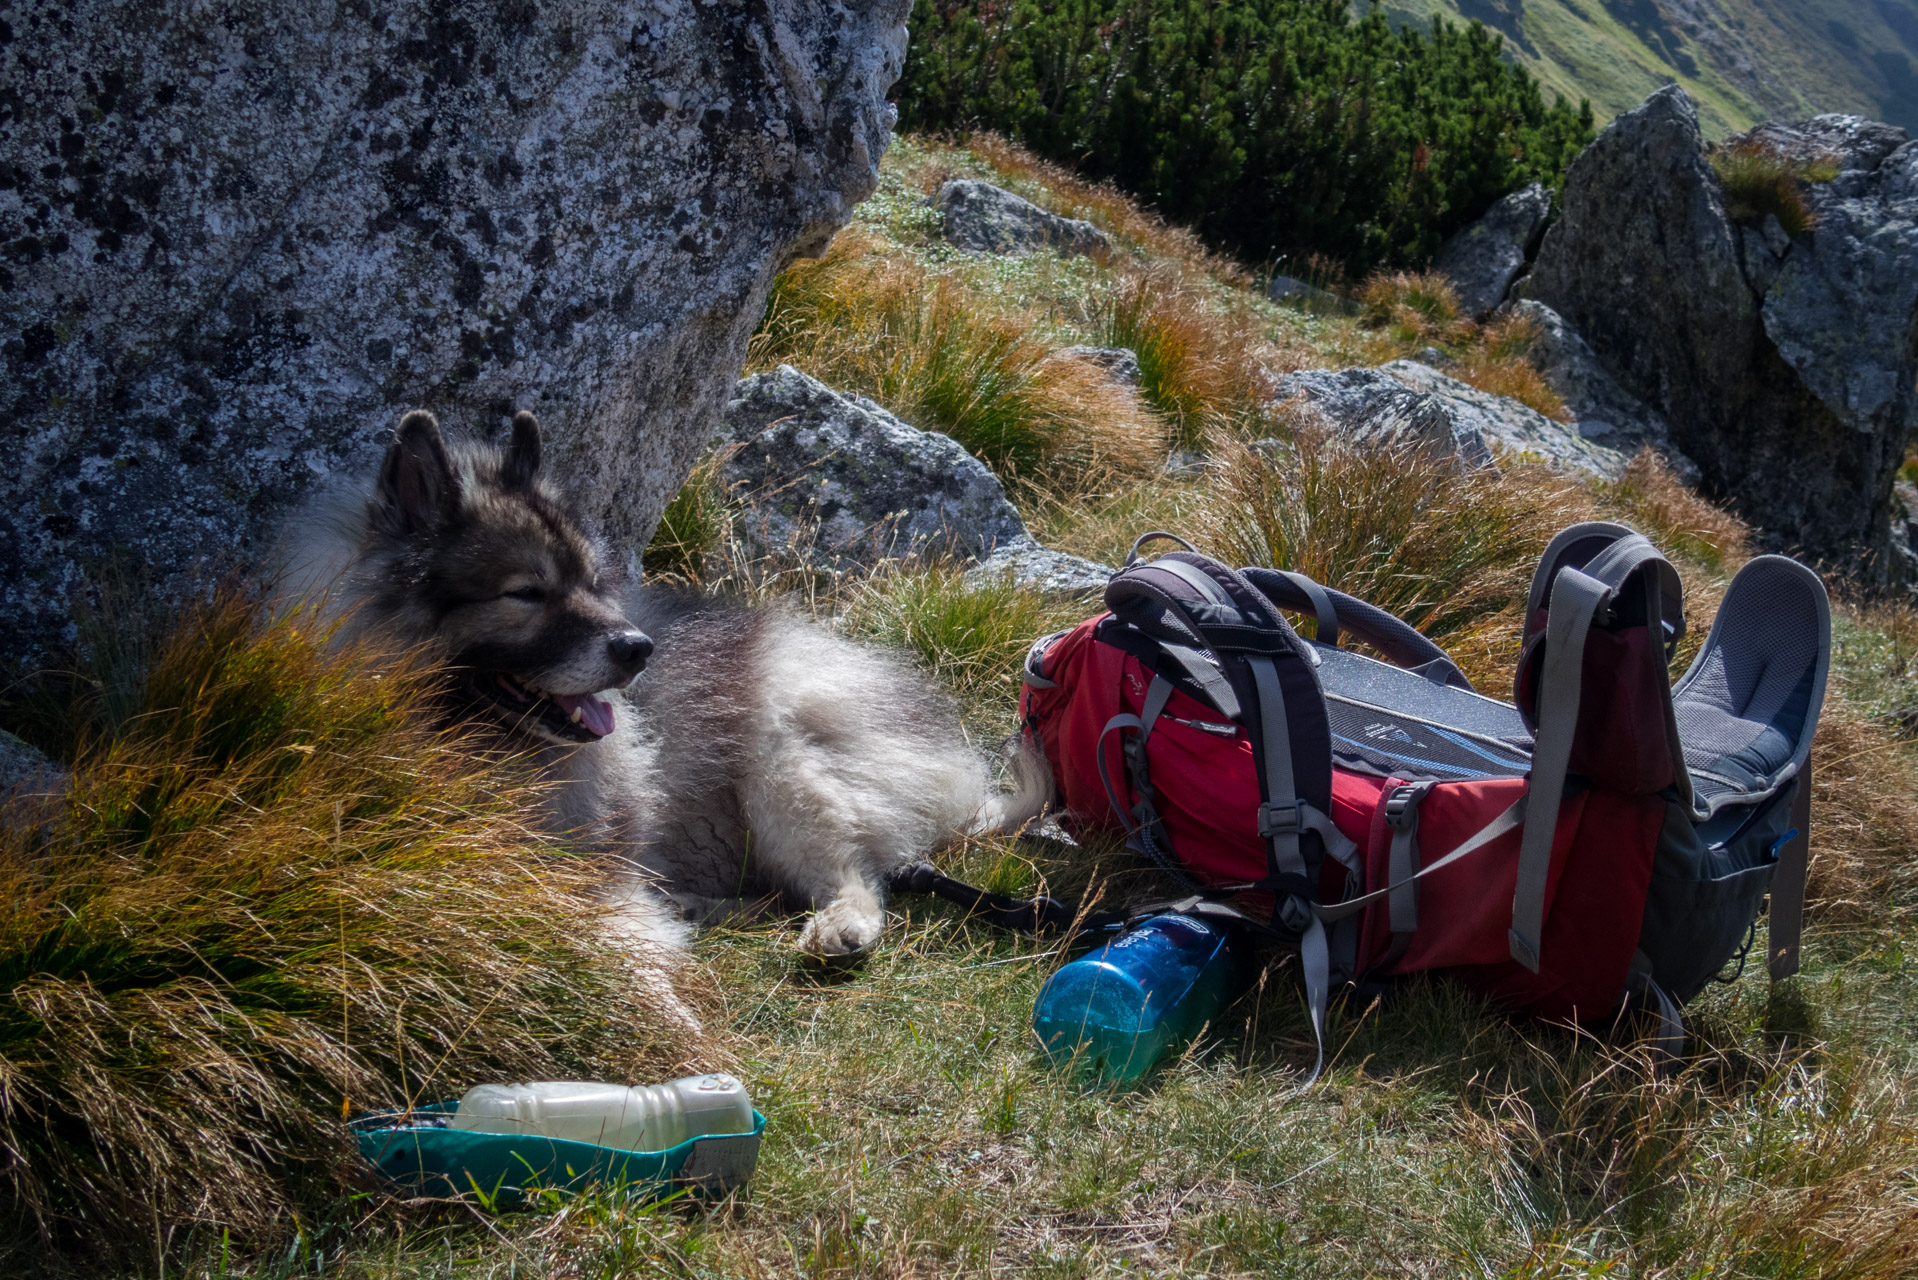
(922, 344)
(1499, 360)
(1449, 550)
(272, 894)
(1864, 814)
(1200, 364)
(1413, 308)
(1651, 498)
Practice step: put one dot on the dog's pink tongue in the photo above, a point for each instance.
(596, 715)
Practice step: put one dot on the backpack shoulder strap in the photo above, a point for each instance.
(1574, 597)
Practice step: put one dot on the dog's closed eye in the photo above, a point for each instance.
(532, 595)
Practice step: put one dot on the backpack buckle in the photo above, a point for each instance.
(1401, 807)
(1281, 819)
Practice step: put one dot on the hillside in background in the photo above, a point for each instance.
(1743, 60)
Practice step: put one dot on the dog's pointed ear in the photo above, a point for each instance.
(523, 453)
(418, 485)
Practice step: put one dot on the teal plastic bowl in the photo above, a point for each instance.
(418, 1155)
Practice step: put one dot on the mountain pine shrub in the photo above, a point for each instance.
(1277, 128)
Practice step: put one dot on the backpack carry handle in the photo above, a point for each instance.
(1402, 644)
(1132, 556)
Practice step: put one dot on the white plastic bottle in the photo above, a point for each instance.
(646, 1117)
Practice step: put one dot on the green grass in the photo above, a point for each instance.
(915, 1128)
(1758, 182)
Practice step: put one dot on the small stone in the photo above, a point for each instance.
(1777, 239)
(24, 770)
(1121, 363)
(1039, 569)
(1309, 297)
(987, 219)
(1185, 464)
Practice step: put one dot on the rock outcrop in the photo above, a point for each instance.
(1784, 367)
(1405, 400)
(835, 481)
(240, 242)
(1483, 260)
(987, 219)
(1602, 410)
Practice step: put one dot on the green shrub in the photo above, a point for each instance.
(1277, 128)
(1759, 180)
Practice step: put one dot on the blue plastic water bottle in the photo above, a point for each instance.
(1117, 1010)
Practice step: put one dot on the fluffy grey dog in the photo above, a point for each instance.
(757, 754)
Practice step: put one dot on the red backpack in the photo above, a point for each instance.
(1608, 838)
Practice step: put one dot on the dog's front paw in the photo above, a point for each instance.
(843, 928)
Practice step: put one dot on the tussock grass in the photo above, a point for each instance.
(1651, 498)
(1499, 361)
(1449, 550)
(924, 345)
(273, 893)
(1412, 308)
(1758, 180)
(1198, 364)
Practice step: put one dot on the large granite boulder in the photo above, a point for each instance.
(240, 241)
(987, 219)
(1785, 368)
(1602, 410)
(1483, 260)
(833, 480)
(1408, 401)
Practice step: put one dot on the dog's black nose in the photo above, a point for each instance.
(630, 649)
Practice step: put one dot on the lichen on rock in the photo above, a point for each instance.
(240, 242)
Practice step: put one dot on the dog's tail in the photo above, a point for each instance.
(1012, 811)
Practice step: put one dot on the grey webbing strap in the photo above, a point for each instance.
(1279, 816)
(1337, 844)
(1208, 677)
(1402, 816)
(1575, 599)
(1156, 696)
(1787, 918)
(1280, 820)
(1507, 821)
(1328, 617)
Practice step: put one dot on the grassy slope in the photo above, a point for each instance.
(1744, 60)
(915, 1131)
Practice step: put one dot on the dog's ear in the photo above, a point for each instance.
(417, 483)
(522, 455)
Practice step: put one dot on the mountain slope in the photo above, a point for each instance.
(1743, 60)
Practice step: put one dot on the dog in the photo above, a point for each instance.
(716, 754)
